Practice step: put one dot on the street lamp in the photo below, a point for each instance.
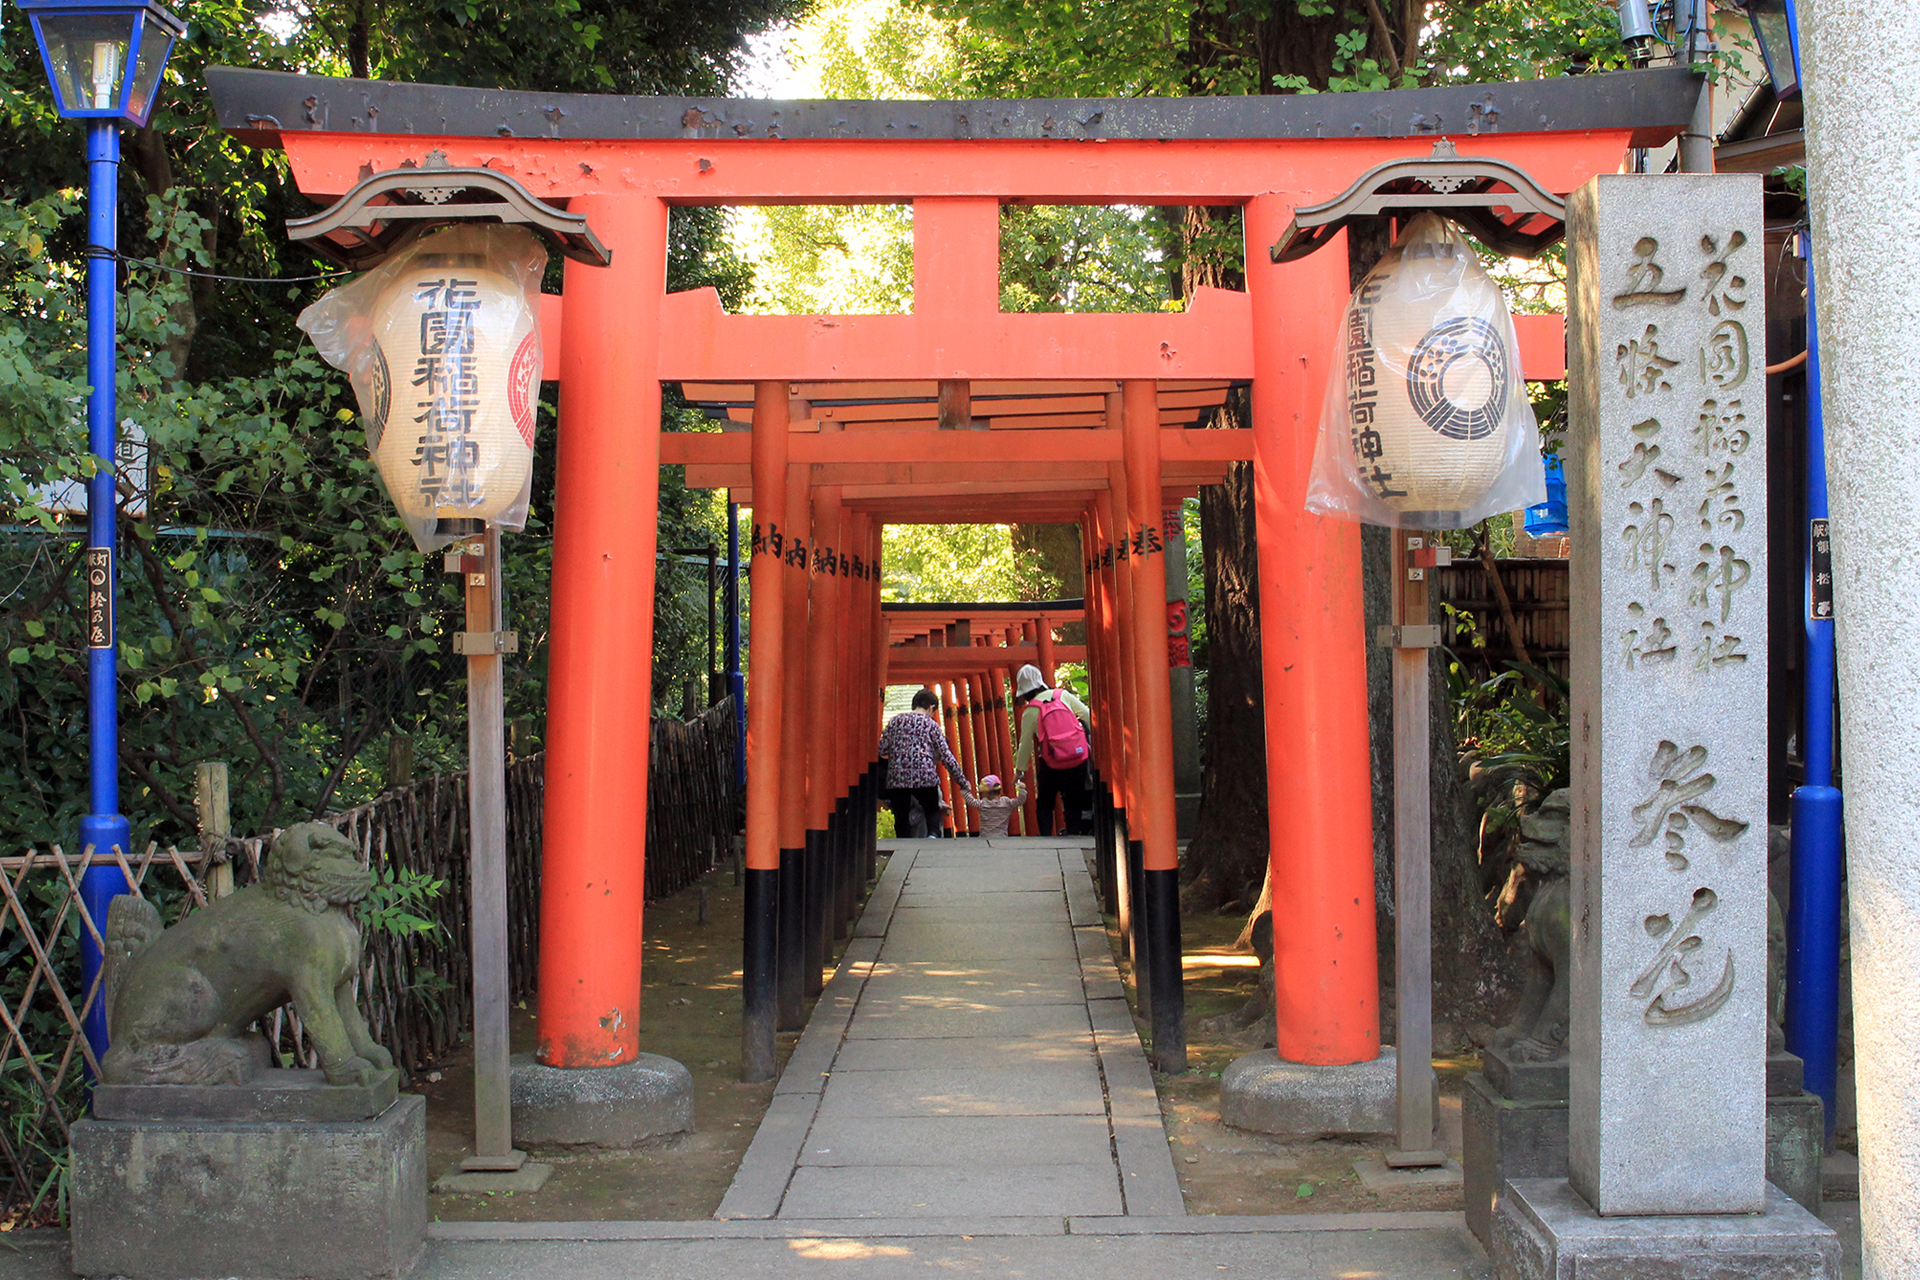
(103, 61)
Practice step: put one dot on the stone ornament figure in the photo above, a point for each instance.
(1538, 1032)
(180, 1000)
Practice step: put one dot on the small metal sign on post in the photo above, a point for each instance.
(1820, 576)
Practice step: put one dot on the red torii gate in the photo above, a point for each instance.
(615, 336)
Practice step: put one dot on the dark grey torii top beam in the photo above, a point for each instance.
(257, 106)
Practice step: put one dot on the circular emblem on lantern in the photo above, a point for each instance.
(523, 378)
(379, 398)
(1457, 379)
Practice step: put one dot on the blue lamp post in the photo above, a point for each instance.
(103, 61)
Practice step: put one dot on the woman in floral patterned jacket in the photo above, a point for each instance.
(913, 745)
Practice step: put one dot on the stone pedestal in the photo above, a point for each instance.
(1546, 1231)
(610, 1107)
(1796, 1139)
(290, 1095)
(1525, 1081)
(1508, 1137)
(1186, 813)
(1262, 1092)
(198, 1199)
(1502, 1138)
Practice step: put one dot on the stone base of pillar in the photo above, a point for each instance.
(196, 1199)
(1267, 1094)
(606, 1107)
(1544, 1230)
(1511, 1138)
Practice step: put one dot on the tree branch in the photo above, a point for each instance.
(1384, 34)
(1492, 565)
(138, 768)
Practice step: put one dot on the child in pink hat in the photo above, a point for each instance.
(994, 806)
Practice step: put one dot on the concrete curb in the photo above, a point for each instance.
(884, 1228)
(1149, 1186)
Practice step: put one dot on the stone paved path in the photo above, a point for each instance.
(973, 1057)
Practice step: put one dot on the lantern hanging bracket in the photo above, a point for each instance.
(1496, 202)
(387, 210)
(479, 644)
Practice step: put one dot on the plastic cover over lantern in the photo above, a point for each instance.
(1426, 423)
(442, 346)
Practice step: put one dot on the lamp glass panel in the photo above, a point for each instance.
(1769, 18)
(87, 59)
(155, 43)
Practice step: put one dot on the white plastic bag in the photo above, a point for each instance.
(1426, 423)
(442, 346)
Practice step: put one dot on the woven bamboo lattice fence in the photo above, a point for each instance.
(1537, 593)
(415, 986)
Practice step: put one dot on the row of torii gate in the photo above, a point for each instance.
(969, 655)
(954, 413)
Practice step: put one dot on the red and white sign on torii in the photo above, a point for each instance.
(826, 478)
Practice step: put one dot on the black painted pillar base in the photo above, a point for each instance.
(1142, 947)
(845, 874)
(1168, 1016)
(869, 828)
(1103, 841)
(817, 927)
(791, 944)
(759, 977)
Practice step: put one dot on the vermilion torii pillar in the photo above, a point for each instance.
(761, 970)
(606, 493)
(1160, 878)
(1313, 655)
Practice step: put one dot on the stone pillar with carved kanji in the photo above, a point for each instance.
(1666, 469)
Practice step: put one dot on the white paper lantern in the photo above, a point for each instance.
(456, 372)
(1426, 422)
(442, 344)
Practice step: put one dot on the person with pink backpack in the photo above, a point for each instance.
(1054, 728)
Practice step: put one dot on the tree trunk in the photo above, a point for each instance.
(359, 38)
(1227, 858)
(1049, 553)
(1226, 861)
(148, 152)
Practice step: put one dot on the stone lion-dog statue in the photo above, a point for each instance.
(1538, 1032)
(180, 1001)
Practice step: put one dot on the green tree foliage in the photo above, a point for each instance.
(272, 611)
(1084, 258)
(924, 562)
(827, 259)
